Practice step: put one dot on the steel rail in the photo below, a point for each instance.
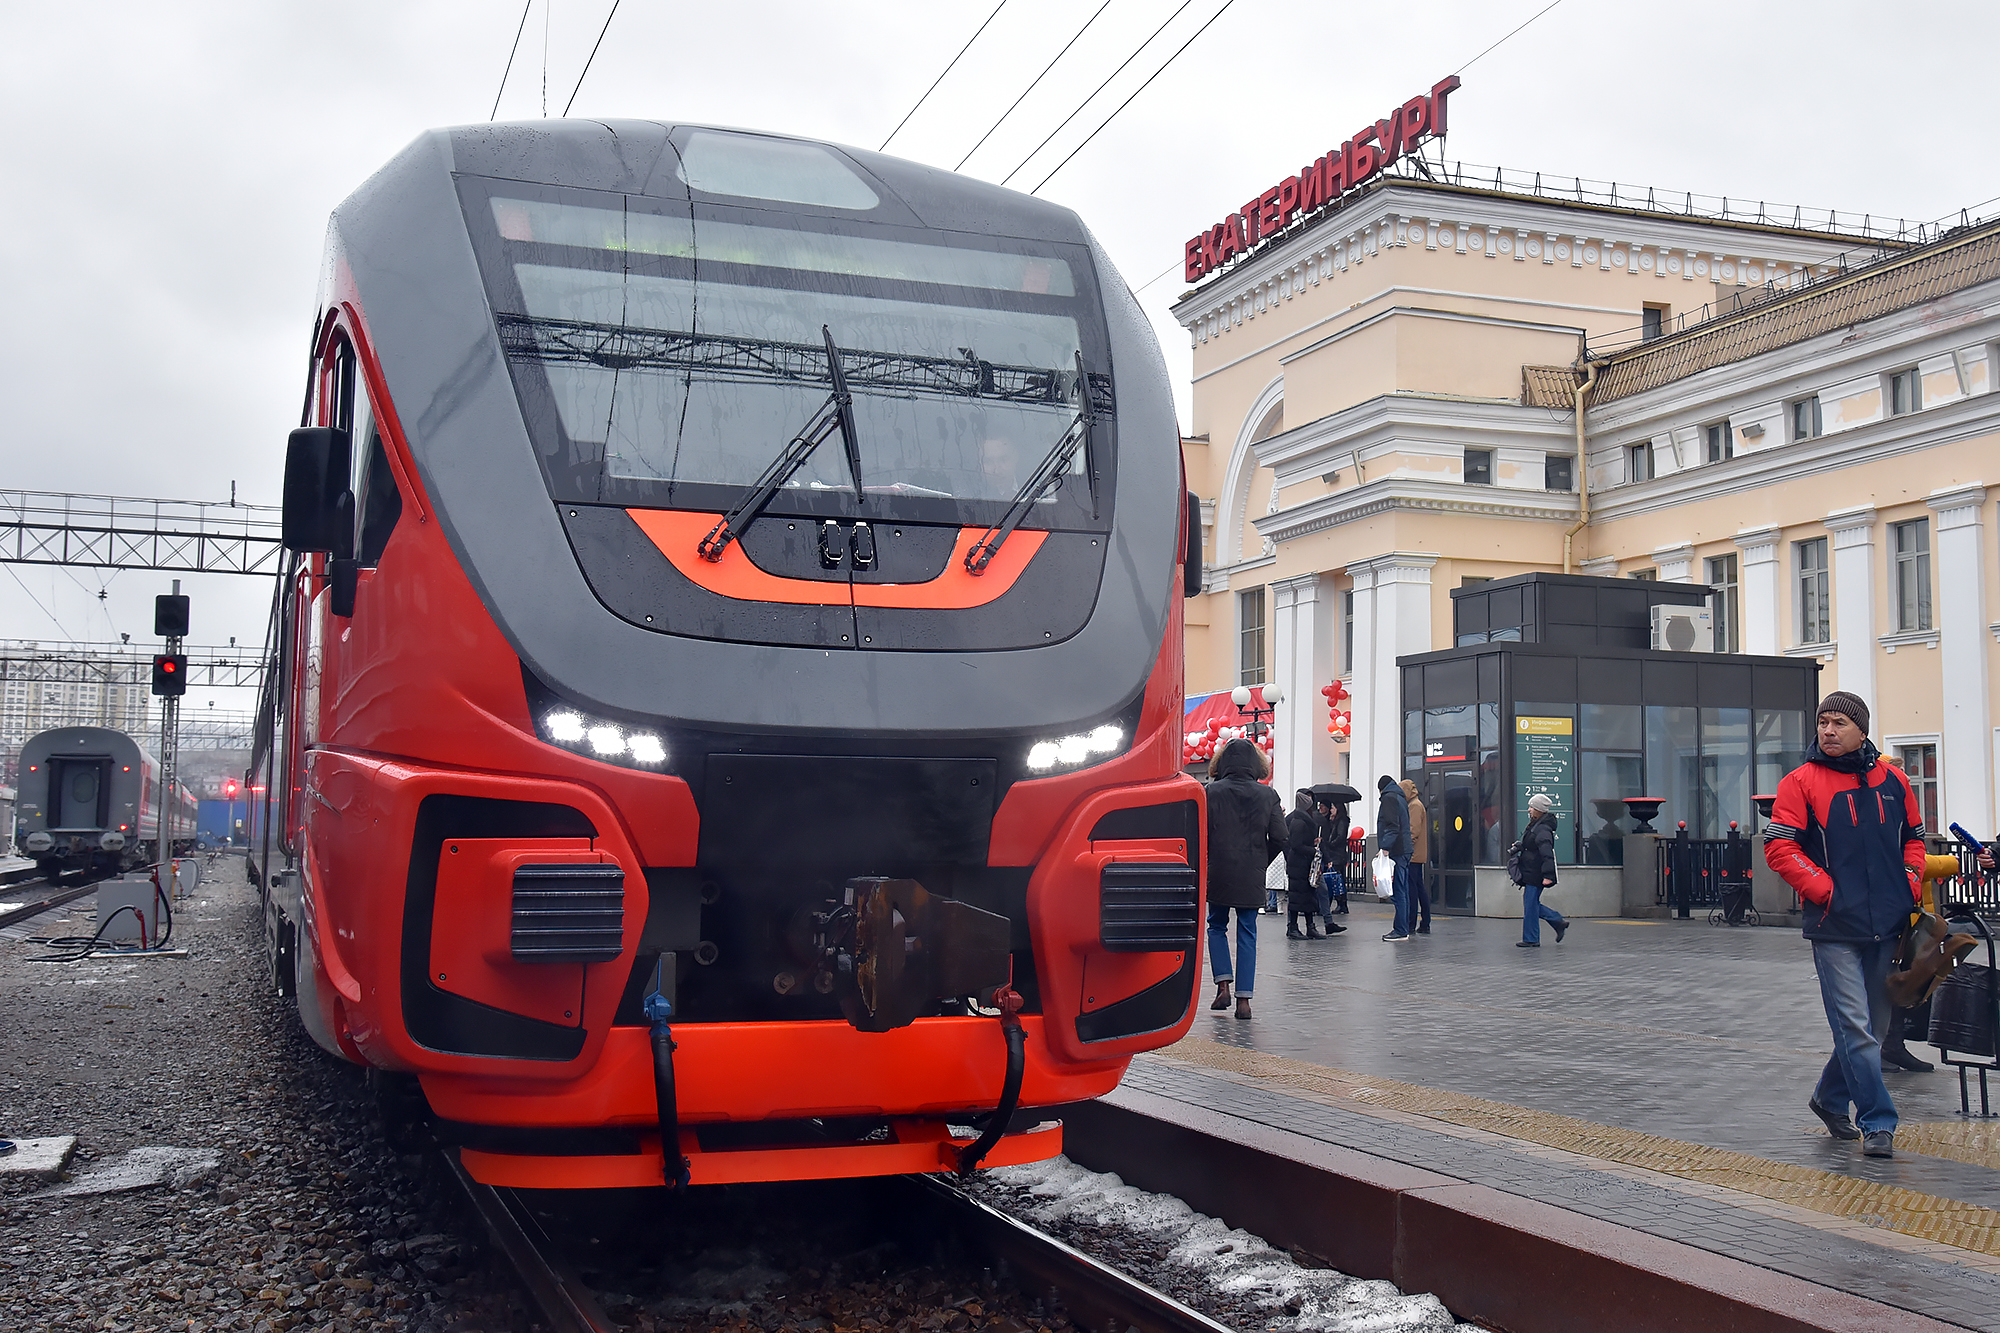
(1094, 1292)
(566, 1304)
(23, 911)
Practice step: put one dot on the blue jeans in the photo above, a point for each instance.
(1420, 894)
(1852, 985)
(1246, 946)
(1404, 912)
(1533, 913)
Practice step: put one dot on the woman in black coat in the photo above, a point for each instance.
(1538, 872)
(1302, 831)
(1246, 832)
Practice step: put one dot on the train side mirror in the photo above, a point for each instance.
(316, 473)
(1191, 566)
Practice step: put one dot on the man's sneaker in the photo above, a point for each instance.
(1836, 1122)
(1561, 929)
(1393, 938)
(1881, 1143)
(1527, 944)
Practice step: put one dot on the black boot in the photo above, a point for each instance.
(1312, 927)
(1292, 927)
(1340, 905)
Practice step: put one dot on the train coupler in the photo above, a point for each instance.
(894, 948)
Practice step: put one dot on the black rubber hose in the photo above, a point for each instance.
(673, 1164)
(975, 1152)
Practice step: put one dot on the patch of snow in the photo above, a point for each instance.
(140, 1168)
(1228, 1261)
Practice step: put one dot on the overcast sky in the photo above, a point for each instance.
(172, 166)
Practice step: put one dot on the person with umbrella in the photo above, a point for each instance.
(1333, 799)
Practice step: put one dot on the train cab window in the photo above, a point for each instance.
(379, 503)
(648, 382)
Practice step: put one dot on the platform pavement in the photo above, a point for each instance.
(1693, 1046)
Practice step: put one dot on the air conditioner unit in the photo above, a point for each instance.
(1683, 629)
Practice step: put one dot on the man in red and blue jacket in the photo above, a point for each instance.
(1847, 834)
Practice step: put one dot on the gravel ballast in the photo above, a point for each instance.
(277, 1202)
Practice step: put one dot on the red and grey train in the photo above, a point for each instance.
(728, 716)
(89, 803)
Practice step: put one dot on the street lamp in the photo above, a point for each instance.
(1247, 704)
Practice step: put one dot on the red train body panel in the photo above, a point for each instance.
(467, 882)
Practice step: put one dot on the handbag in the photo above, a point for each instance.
(1385, 876)
(1514, 864)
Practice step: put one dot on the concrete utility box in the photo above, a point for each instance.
(121, 927)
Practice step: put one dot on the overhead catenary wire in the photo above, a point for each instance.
(1032, 86)
(593, 56)
(940, 78)
(511, 52)
(1489, 50)
(1093, 93)
(1136, 91)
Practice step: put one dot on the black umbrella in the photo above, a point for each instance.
(1333, 791)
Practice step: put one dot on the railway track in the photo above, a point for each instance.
(1091, 1294)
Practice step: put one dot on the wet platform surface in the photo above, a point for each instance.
(1652, 1074)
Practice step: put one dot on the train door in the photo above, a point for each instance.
(1451, 795)
(78, 794)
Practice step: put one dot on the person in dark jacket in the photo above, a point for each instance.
(1333, 858)
(1538, 872)
(1246, 832)
(1392, 835)
(1847, 834)
(1301, 845)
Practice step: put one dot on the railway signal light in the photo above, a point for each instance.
(170, 616)
(229, 789)
(170, 674)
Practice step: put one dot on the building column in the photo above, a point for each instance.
(1854, 599)
(1757, 591)
(1393, 620)
(1303, 612)
(1959, 570)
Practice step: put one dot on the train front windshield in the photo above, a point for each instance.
(664, 355)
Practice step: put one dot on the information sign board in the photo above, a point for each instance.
(1545, 764)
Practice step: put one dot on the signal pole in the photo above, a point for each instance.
(170, 621)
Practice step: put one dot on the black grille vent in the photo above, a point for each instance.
(1147, 908)
(568, 913)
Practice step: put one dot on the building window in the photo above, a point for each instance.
(1652, 322)
(1721, 441)
(1805, 418)
(1250, 634)
(1479, 466)
(1919, 764)
(1347, 634)
(1559, 472)
(1815, 605)
(1640, 460)
(1906, 392)
(1646, 575)
(1722, 603)
(1912, 546)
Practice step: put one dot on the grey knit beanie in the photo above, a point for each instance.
(1840, 701)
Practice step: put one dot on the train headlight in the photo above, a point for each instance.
(602, 740)
(1075, 751)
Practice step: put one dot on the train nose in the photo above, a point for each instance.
(39, 841)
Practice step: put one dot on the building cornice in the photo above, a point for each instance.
(1963, 419)
(1958, 506)
(1385, 423)
(1966, 317)
(1419, 495)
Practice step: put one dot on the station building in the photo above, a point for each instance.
(1453, 376)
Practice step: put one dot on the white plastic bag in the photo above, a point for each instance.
(1385, 876)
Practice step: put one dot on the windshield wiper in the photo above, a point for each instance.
(836, 413)
(1046, 477)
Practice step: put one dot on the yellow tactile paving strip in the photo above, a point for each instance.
(1926, 1217)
